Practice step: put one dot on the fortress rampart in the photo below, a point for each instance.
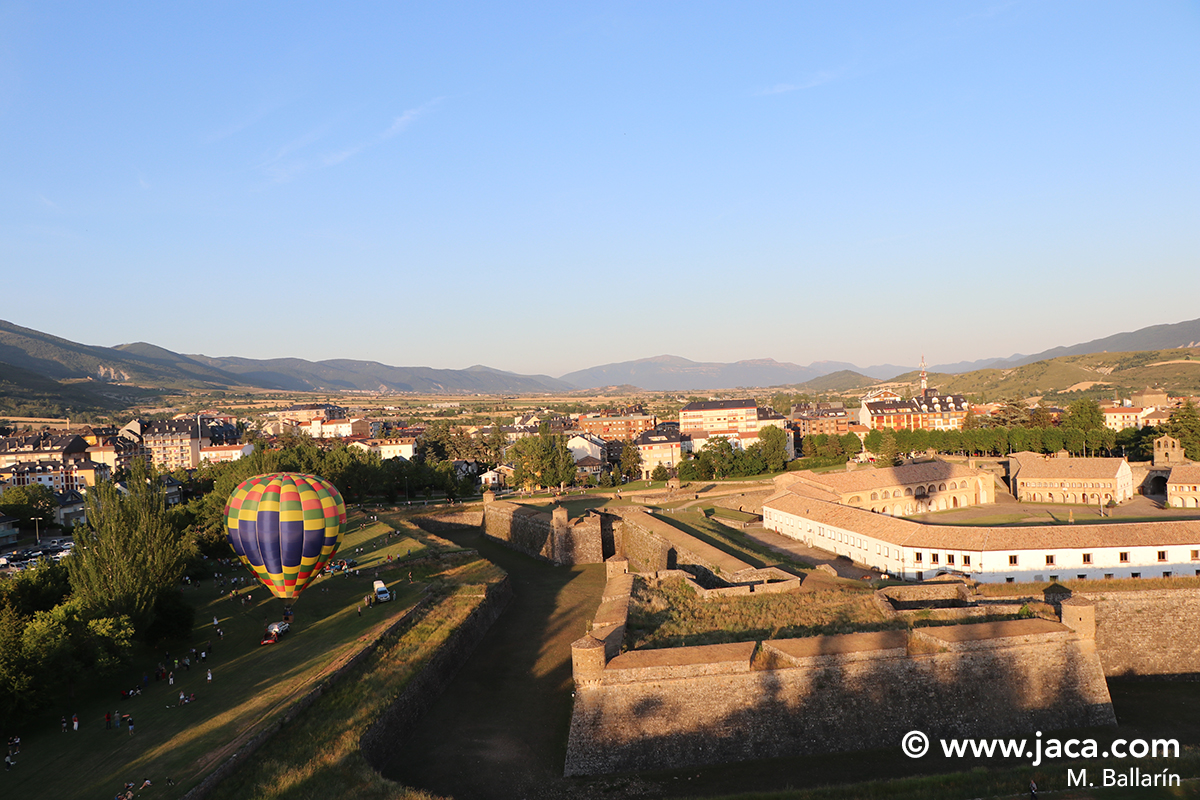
(654, 709)
(1154, 632)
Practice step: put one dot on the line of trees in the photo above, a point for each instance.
(1014, 429)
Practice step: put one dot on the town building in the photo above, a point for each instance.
(118, 451)
(589, 466)
(175, 443)
(1152, 398)
(898, 491)
(342, 428)
(1035, 478)
(57, 476)
(738, 421)
(403, 447)
(915, 551)
(1183, 486)
(1118, 418)
(223, 453)
(307, 412)
(583, 445)
(42, 447)
(621, 427)
(814, 420)
(1168, 452)
(659, 448)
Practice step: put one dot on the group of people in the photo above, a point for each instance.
(127, 792)
(14, 749)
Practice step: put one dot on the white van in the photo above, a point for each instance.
(382, 594)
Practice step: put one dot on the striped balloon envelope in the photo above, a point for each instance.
(286, 527)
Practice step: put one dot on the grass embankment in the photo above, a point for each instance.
(670, 614)
(253, 686)
(724, 538)
(318, 756)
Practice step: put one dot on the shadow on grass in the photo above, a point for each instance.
(507, 712)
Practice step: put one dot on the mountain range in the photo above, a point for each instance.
(25, 352)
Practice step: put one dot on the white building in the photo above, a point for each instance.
(916, 551)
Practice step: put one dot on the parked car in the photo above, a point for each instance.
(382, 594)
(274, 631)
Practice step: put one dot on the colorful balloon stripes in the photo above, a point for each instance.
(286, 527)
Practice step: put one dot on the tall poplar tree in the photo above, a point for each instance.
(129, 550)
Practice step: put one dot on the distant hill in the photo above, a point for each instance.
(296, 374)
(841, 381)
(673, 373)
(148, 365)
(142, 364)
(1097, 375)
(1156, 337)
(26, 394)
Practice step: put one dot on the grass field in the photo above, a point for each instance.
(670, 614)
(252, 685)
(317, 755)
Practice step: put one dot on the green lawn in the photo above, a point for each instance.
(252, 685)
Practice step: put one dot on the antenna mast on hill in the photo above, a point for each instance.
(924, 379)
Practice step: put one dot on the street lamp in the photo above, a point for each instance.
(37, 529)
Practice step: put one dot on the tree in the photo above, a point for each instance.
(719, 453)
(886, 454)
(562, 468)
(26, 502)
(129, 551)
(660, 473)
(1084, 415)
(1184, 425)
(1040, 418)
(495, 443)
(774, 448)
(631, 461)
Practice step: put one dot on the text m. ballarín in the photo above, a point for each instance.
(1131, 777)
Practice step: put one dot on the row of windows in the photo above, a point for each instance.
(934, 559)
(1108, 576)
(1122, 556)
(1066, 485)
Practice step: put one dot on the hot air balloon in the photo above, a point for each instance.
(286, 527)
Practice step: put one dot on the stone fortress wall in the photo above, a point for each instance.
(657, 709)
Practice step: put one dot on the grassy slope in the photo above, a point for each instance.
(252, 686)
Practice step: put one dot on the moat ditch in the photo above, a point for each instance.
(500, 728)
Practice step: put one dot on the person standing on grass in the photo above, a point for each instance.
(75, 721)
(1032, 790)
(210, 676)
(64, 723)
(131, 726)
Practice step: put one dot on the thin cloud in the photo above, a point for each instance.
(145, 184)
(280, 168)
(818, 79)
(398, 126)
(240, 125)
(48, 203)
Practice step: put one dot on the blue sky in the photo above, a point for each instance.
(547, 187)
